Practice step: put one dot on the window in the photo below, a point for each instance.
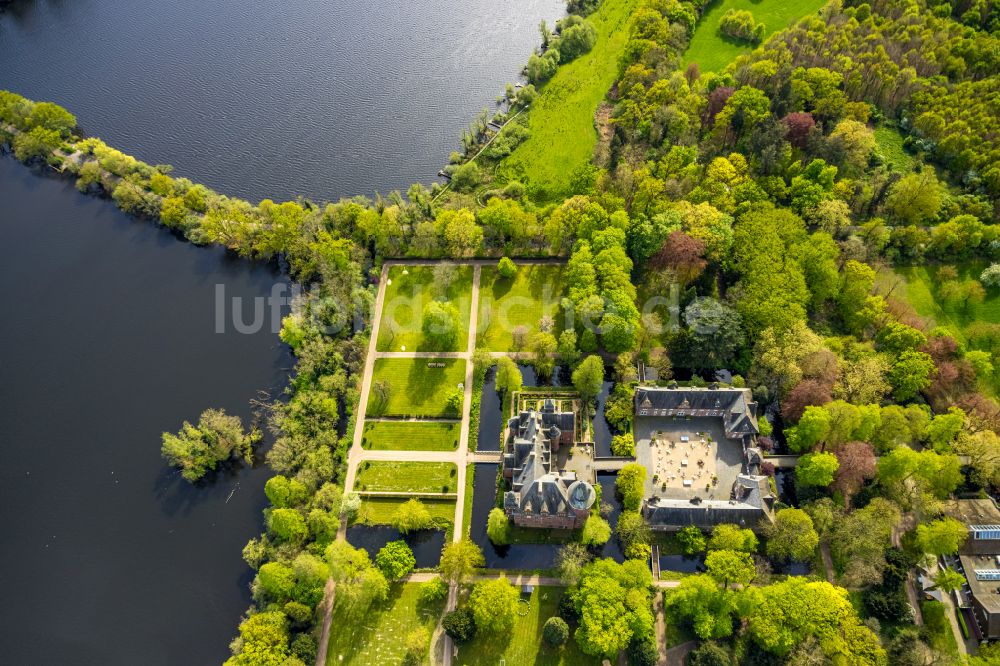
(987, 574)
(985, 532)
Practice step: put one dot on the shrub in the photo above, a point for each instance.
(691, 540)
(460, 625)
(507, 269)
(555, 632)
(433, 591)
(596, 531)
(740, 24)
(990, 277)
(395, 560)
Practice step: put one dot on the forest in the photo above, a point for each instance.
(768, 197)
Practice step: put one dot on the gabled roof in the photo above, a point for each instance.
(738, 410)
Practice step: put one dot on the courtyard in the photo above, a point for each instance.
(687, 457)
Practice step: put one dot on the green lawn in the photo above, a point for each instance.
(890, 144)
(410, 436)
(561, 120)
(522, 301)
(408, 291)
(942, 638)
(920, 286)
(524, 644)
(414, 388)
(470, 476)
(380, 510)
(713, 51)
(378, 637)
(423, 477)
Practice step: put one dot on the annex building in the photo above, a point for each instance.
(543, 493)
(979, 560)
(698, 446)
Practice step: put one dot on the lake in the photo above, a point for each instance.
(262, 99)
(107, 340)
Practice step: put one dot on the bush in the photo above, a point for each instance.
(304, 647)
(541, 67)
(740, 24)
(691, 540)
(460, 625)
(433, 591)
(642, 652)
(395, 560)
(596, 531)
(507, 269)
(555, 632)
(990, 277)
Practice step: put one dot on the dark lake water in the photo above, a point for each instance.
(425, 544)
(262, 99)
(107, 340)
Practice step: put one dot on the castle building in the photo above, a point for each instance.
(541, 495)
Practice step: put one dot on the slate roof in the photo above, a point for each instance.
(751, 505)
(536, 486)
(735, 406)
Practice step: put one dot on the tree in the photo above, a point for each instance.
(807, 393)
(494, 605)
(792, 535)
(948, 580)
(816, 469)
(287, 525)
(570, 562)
(856, 143)
(395, 560)
(633, 533)
(613, 604)
(709, 654)
(699, 602)
(915, 198)
(218, 436)
(459, 559)
(631, 484)
(623, 445)
(682, 256)
(941, 537)
(506, 268)
(813, 428)
(983, 450)
(789, 612)
(726, 536)
(910, 374)
(543, 347)
(440, 325)
(498, 527)
(691, 539)
(284, 492)
(508, 378)
(714, 333)
(359, 583)
(859, 540)
(596, 531)
(460, 624)
(857, 465)
(555, 631)
(417, 643)
(730, 566)
(276, 581)
(264, 641)
(412, 516)
(588, 378)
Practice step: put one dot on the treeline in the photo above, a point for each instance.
(573, 37)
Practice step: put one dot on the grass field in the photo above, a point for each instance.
(919, 284)
(713, 51)
(942, 638)
(414, 388)
(561, 120)
(409, 289)
(890, 144)
(525, 645)
(414, 477)
(380, 510)
(379, 636)
(470, 476)
(410, 436)
(506, 304)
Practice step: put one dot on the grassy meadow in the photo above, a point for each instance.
(505, 304)
(713, 51)
(379, 637)
(409, 289)
(561, 120)
(524, 645)
(415, 389)
(410, 436)
(414, 477)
